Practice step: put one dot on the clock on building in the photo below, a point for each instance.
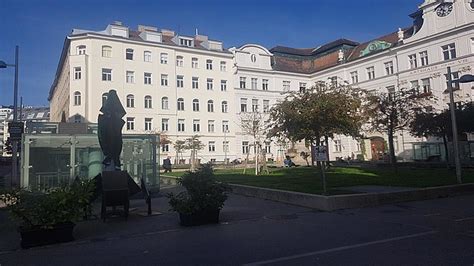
(444, 9)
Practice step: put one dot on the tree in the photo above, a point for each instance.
(194, 144)
(393, 111)
(255, 125)
(179, 146)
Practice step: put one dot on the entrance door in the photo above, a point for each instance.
(377, 145)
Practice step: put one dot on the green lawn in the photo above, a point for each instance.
(308, 180)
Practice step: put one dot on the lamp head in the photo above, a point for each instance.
(3, 64)
(466, 78)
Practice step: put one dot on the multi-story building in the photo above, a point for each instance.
(183, 86)
(4, 111)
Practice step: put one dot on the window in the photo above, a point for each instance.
(302, 87)
(225, 126)
(147, 78)
(267, 147)
(449, 51)
(424, 58)
(210, 126)
(389, 68)
(164, 80)
(265, 84)
(77, 98)
(186, 42)
(354, 77)
(243, 105)
(209, 84)
(223, 66)
(179, 81)
(337, 146)
(81, 49)
(243, 81)
(164, 58)
(224, 106)
(415, 87)
(77, 73)
(179, 61)
(254, 105)
(210, 106)
(391, 93)
(147, 56)
(180, 104)
(412, 60)
(286, 85)
(225, 146)
(106, 51)
(454, 75)
(164, 103)
(196, 125)
(181, 125)
(130, 101)
(266, 106)
(195, 83)
(104, 98)
(130, 123)
(148, 124)
(106, 74)
(253, 83)
(196, 105)
(333, 81)
(130, 77)
(209, 64)
(472, 52)
(165, 124)
(223, 85)
(148, 102)
(370, 73)
(212, 146)
(129, 54)
(425, 83)
(245, 147)
(194, 62)
(165, 147)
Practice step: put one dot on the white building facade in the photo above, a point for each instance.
(182, 86)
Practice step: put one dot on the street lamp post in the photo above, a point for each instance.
(14, 176)
(464, 79)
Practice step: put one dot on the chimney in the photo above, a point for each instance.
(142, 28)
(167, 32)
(118, 23)
(201, 38)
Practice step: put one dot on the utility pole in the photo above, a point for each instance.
(457, 160)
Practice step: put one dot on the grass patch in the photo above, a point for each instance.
(308, 179)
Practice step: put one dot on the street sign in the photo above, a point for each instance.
(15, 129)
(320, 153)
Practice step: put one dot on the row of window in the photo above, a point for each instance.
(246, 147)
(147, 57)
(255, 105)
(181, 125)
(414, 61)
(211, 146)
(286, 84)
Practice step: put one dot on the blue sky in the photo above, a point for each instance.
(40, 26)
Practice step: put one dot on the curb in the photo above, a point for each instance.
(349, 201)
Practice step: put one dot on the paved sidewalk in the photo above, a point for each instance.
(258, 232)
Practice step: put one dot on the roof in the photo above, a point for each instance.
(316, 50)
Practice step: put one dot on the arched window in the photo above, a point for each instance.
(130, 101)
(180, 104)
(196, 105)
(148, 102)
(210, 106)
(164, 103)
(106, 51)
(147, 56)
(224, 106)
(81, 49)
(77, 98)
(104, 97)
(129, 54)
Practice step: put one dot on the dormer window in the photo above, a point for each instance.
(186, 42)
(81, 49)
(129, 54)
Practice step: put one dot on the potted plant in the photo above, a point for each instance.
(203, 199)
(48, 217)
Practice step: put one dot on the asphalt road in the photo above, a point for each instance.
(259, 232)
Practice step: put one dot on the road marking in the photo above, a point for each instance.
(464, 219)
(340, 248)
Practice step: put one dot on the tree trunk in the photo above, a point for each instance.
(393, 158)
(326, 139)
(255, 149)
(312, 153)
(446, 150)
